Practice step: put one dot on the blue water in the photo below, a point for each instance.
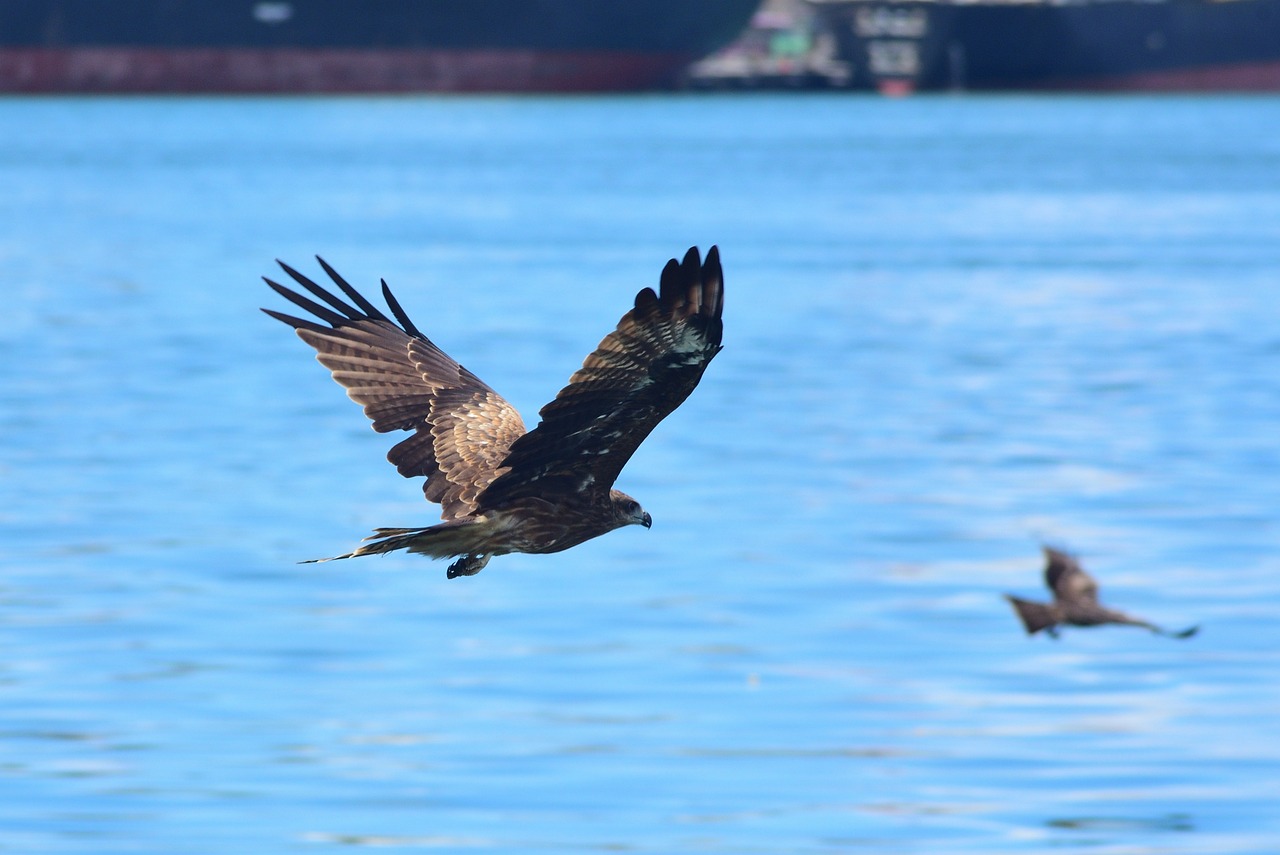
(955, 328)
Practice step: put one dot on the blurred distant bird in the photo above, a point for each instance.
(1075, 601)
(503, 489)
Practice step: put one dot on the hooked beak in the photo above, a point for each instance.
(646, 520)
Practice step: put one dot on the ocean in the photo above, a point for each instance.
(957, 328)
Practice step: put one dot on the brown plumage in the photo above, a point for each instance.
(1075, 601)
(501, 489)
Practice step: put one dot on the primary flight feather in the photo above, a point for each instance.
(502, 489)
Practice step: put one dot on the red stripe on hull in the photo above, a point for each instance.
(1246, 77)
(295, 70)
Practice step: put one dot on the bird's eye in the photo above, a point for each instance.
(632, 507)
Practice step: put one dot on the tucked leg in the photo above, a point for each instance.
(468, 565)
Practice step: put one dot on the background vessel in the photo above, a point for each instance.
(1187, 45)
(373, 46)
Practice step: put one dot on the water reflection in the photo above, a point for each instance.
(1168, 822)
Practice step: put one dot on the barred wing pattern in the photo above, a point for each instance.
(462, 428)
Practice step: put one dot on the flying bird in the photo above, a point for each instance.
(1075, 601)
(501, 488)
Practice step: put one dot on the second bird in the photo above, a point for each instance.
(1075, 601)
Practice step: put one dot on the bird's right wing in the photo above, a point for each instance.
(462, 428)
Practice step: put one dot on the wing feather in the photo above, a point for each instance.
(635, 378)
(1066, 578)
(463, 429)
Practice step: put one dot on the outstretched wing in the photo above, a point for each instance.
(462, 428)
(634, 379)
(1066, 578)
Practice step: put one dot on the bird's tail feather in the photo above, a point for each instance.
(446, 540)
(1034, 616)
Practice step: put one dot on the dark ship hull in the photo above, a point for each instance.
(1161, 45)
(369, 46)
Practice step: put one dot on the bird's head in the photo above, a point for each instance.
(628, 511)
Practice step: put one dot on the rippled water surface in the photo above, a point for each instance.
(956, 328)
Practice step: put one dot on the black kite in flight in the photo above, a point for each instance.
(1075, 601)
(503, 489)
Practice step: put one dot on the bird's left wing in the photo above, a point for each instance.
(634, 379)
(1066, 578)
(462, 429)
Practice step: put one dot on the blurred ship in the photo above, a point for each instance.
(370, 46)
(899, 46)
(783, 48)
